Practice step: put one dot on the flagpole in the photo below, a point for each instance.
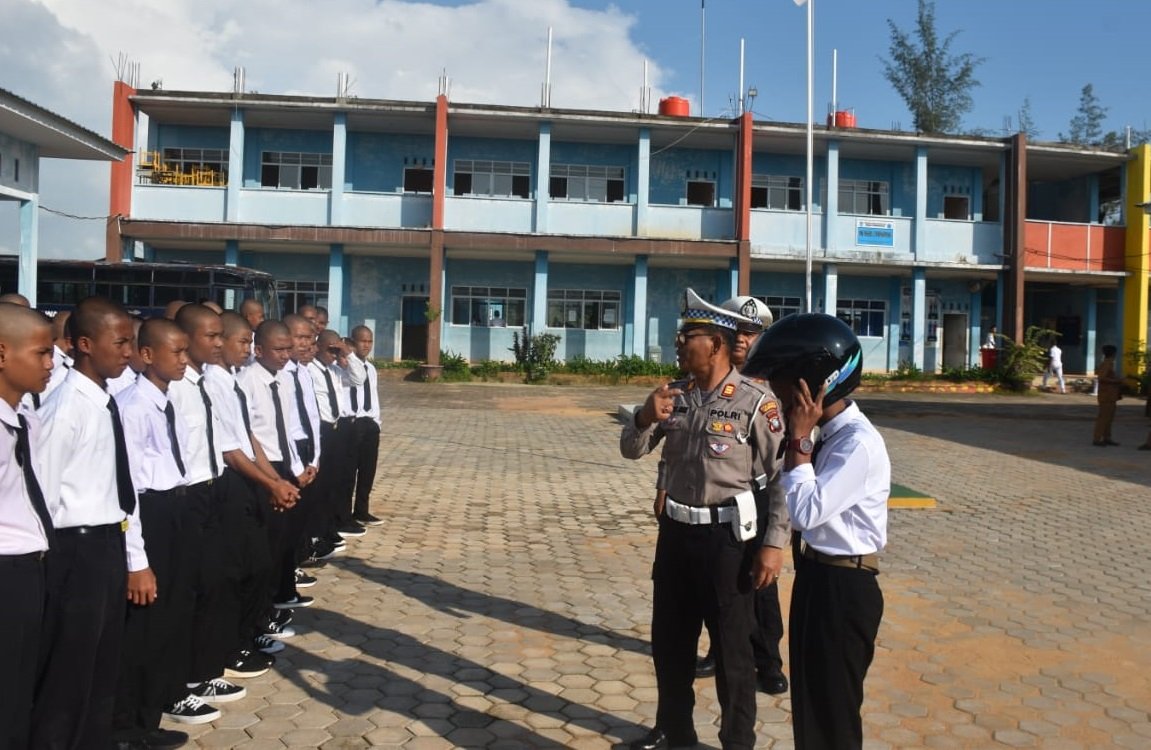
(810, 144)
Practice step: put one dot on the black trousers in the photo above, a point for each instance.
(768, 630)
(87, 578)
(337, 464)
(248, 559)
(215, 607)
(22, 591)
(284, 530)
(155, 664)
(835, 614)
(701, 574)
(367, 452)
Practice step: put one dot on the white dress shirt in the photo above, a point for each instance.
(127, 378)
(370, 380)
(341, 382)
(78, 457)
(189, 402)
(298, 376)
(20, 529)
(221, 386)
(839, 502)
(256, 382)
(150, 451)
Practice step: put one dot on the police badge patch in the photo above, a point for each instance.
(749, 310)
(719, 449)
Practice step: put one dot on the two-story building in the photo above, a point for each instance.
(450, 226)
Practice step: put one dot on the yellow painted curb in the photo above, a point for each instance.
(910, 503)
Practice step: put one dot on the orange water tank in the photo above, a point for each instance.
(845, 118)
(675, 106)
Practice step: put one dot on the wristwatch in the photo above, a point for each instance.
(802, 445)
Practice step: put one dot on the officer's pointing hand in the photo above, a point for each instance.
(659, 405)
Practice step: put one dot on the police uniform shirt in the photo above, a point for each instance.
(839, 502)
(299, 378)
(77, 453)
(365, 381)
(256, 382)
(150, 450)
(719, 445)
(341, 382)
(189, 401)
(20, 529)
(221, 386)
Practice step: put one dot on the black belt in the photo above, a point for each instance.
(860, 562)
(180, 491)
(26, 557)
(106, 529)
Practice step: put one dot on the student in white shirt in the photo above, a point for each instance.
(1055, 367)
(135, 362)
(837, 497)
(366, 403)
(332, 380)
(25, 526)
(96, 564)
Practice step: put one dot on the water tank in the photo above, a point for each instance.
(675, 106)
(845, 118)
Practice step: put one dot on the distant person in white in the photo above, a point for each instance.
(1055, 367)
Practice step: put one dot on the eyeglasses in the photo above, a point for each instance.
(681, 339)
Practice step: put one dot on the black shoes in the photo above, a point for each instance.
(772, 683)
(657, 740)
(351, 529)
(168, 739)
(367, 519)
(1104, 443)
(705, 666)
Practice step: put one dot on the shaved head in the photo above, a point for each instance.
(15, 298)
(173, 307)
(91, 315)
(17, 321)
(191, 317)
(59, 323)
(153, 332)
(234, 323)
(270, 328)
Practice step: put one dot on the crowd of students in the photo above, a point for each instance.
(166, 485)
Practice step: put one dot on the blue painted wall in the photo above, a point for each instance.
(944, 180)
(496, 149)
(258, 140)
(475, 342)
(791, 165)
(375, 287)
(376, 161)
(13, 151)
(186, 136)
(672, 169)
(600, 155)
(900, 177)
(596, 345)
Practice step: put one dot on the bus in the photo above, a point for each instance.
(143, 288)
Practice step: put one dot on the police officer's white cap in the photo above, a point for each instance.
(698, 310)
(750, 307)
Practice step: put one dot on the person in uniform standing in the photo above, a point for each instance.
(836, 495)
(1110, 390)
(333, 382)
(26, 529)
(1055, 367)
(366, 430)
(721, 452)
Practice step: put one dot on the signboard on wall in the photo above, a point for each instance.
(873, 233)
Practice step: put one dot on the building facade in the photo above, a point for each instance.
(448, 226)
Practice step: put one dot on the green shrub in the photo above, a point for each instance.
(455, 368)
(1020, 363)
(487, 369)
(535, 355)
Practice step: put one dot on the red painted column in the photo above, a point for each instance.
(436, 241)
(120, 186)
(743, 200)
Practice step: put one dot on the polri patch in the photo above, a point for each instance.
(719, 449)
(728, 390)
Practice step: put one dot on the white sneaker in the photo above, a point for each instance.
(191, 710)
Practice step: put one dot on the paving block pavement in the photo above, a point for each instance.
(506, 601)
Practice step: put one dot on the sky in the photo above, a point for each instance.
(62, 57)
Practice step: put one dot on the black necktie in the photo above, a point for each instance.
(355, 399)
(243, 407)
(281, 430)
(367, 388)
(124, 488)
(24, 458)
(36, 400)
(211, 436)
(305, 420)
(174, 442)
(333, 404)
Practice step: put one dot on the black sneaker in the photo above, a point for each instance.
(335, 540)
(275, 630)
(295, 602)
(351, 529)
(281, 617)
(269, 645)
(367, 519)
(219, 690)
(191, 710)
(249, 664)
(165, 739)
(325, 551)
(303, 580)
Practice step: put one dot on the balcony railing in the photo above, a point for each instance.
(1074, 247)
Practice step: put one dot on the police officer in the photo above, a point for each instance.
(836, 495)
(722, 447)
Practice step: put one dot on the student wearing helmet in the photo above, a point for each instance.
(836, 494)
(722, 453)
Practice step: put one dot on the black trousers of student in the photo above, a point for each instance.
(701, 573)
(768, 630)
(835, 614)
(337, 442)
(22, 590)
(216, 606)
(284, 530)
(367, 451)
(80, 645)
(248, 559)
(158, 637)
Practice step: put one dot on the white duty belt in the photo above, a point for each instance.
(698, 514)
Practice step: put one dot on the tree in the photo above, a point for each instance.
(1026, 121)
(934, 83)
(1087, 125)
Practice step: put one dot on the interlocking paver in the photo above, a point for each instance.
(506, 601)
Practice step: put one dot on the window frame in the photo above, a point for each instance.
(480, 302)
(609, 175)
(791, 187)
(300, 163)
(585, 309)
(859, 314)
(503, 179)
(870, 192)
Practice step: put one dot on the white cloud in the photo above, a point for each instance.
(493, 50)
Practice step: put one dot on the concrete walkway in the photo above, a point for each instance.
(506, 603)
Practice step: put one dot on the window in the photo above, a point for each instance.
(775, 191)
(700, 193)
(296, 171)
(864, 197)
(418, 179)
(295, 294)
(580, 182)
(957, 207)
(865, 316)
(192, 166)
(933, 301)
(589, 310)
(16, 170)
(492, 178)
(493, 306)
(782, 306)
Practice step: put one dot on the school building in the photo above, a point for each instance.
(448, 226)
